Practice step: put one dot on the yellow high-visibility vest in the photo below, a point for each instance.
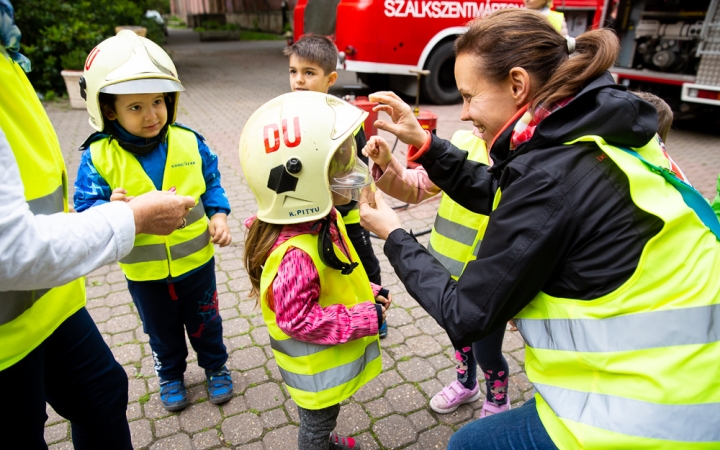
(636, 368)
(556, 19)
(157, 257)
(457, 233)
(318, 376)
(27, 318)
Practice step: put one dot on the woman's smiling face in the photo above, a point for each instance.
(487, 104)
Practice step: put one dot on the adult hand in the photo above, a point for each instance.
(381, 219)
(160, 212)
(404, 123)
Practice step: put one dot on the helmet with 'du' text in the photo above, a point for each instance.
(299, 157)
(127, 64)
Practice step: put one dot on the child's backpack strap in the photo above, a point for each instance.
(690, 195)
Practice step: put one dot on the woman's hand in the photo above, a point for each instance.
(380, 219)
(379, 151)
(405, 125)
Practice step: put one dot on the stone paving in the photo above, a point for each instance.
(225, 83)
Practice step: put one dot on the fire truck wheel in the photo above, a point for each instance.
(439, 87)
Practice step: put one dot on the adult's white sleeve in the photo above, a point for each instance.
(44, 251)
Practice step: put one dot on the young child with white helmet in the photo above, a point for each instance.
(131, 89)
(299, 157)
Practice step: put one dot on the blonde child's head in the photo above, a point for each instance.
(299, 157)
(664, 112)
(312, 64)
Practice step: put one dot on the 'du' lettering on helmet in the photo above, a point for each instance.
(276, 135)
(296, 130)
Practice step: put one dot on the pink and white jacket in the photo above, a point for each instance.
(296, 290)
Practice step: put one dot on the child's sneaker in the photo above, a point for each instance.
(452, 396)
(343, 443)
(489, 408)
(173, 395)
(383, 330)
(219, 385)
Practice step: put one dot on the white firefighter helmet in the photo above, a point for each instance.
(127, 64)
(297, 150)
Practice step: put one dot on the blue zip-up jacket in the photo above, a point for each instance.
(91, 189)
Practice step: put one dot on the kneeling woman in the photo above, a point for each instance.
(609, 264)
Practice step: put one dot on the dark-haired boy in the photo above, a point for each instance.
(313, 60)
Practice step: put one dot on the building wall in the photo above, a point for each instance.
(265, 15)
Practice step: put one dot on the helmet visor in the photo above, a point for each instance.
(348, 174)
(143, 86)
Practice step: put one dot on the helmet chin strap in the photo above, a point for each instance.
(327, 250)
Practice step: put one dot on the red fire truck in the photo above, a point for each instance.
(669, 47)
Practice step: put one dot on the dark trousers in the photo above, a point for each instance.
(316, 426)
(167, 310)
(518, 429)
(360, 238)
(487, 352)
(75, 372)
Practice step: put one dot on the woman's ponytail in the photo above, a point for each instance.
(595, 52)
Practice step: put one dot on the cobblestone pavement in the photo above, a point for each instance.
(225, 83)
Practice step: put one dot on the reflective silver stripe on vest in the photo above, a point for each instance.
(48, 204)
(687, 423)
(453, 266)
(195, 214)
(455, 231)
(14, 303)
(295, 348)
(189, 247)
(656, 329)
(332, 377)
(146, 253)
(477, 248)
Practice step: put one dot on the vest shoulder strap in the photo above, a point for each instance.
(692, 198)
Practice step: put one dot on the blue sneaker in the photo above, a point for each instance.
(220, 385)
(173, 395)
(383, 330)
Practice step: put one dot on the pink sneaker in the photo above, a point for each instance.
(490, 408)
(452, 396)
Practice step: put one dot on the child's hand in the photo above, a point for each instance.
(378, 150)
(119, 195)
(386, 302)
(219, 230)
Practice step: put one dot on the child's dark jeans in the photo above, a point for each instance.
(168, 309)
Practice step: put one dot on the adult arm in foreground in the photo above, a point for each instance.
(43, 251)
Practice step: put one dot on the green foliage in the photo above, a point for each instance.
(212, 25)
(58, 31)
(73, 60)
(248, 35)
(176, 22)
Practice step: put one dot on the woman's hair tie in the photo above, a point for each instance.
(570, 44)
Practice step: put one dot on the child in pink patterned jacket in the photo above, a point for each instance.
(414, 186)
